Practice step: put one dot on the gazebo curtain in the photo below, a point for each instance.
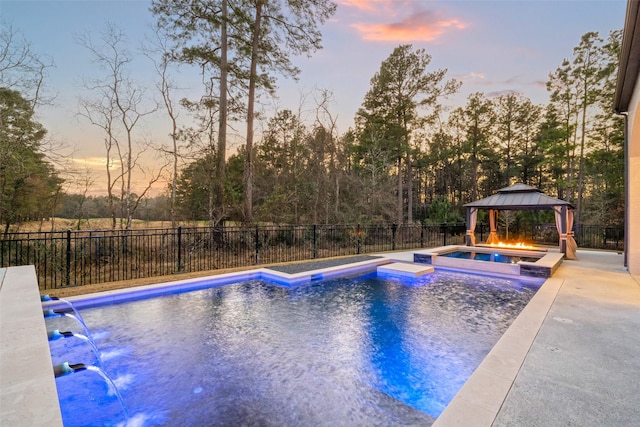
(493, 222)
(571, 242)
(472, 218)
(564, 224)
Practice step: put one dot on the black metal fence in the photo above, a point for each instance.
(76, 258)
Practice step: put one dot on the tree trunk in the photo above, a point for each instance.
(128, 172)
(409, 189)
(474, 176)
(174, 181)
(248, 166)
(222, 126)
(337, 201)
(211, 205)
(400, 210)
(578, 213)
(112, 209)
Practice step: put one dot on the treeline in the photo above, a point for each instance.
(408, 157)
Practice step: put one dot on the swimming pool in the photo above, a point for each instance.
(490, 257)
(370, 350)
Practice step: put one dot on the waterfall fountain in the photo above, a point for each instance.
(56, 335)
(49, 313)
(65, 368)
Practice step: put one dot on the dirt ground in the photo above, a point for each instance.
(109, 286)
(64, 224)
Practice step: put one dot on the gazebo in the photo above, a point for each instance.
(523, 197)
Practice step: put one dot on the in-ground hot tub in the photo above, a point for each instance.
(513, 262)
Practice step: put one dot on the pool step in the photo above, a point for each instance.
(404, 269)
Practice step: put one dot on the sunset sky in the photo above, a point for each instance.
(493, 47)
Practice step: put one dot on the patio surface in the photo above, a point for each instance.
(584, 364)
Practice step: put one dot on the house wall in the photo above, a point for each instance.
(633, 202)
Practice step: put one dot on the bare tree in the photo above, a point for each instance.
(326, 121)
(160, 54)
(101, 113)
(201, 142)
(124, 102)
(87, 183)
(21, 68)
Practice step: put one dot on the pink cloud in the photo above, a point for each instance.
(421, 26)
(362, 4)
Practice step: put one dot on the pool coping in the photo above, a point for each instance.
(185, 285)
(28, 393)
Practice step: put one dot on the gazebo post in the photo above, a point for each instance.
(467, 238)
(563, 229)
(493, 227)
(471, 226)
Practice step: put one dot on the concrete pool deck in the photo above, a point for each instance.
(584, 364)
(572, 357)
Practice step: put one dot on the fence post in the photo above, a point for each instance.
(358, 240)
(179, 248)
(257, 258)
(422, 234)
(394, 227)
(444, 229)
(315, 247)
(68, 263)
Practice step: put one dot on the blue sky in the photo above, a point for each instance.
(491, 46)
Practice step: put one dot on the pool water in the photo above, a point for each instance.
(491, 257)
(370, 350)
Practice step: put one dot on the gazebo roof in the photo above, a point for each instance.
(518, 197)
